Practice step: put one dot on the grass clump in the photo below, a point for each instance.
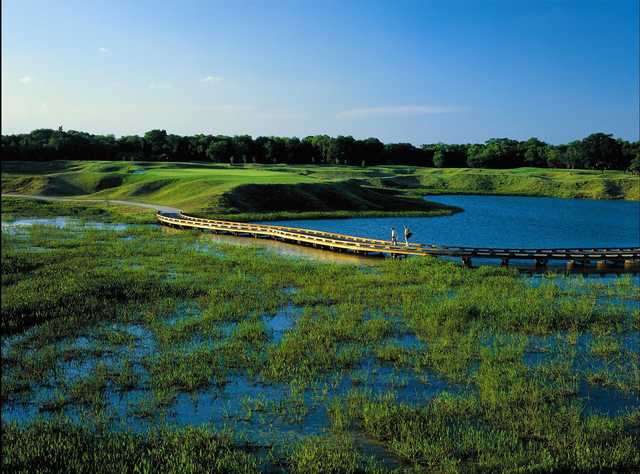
(61, 446)
(329, 454)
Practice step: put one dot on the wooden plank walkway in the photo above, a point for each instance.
(361, 245)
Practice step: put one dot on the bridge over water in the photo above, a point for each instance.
(627, 256)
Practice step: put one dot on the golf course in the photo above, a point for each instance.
(127, 345)
(336, 237)
(262, 192)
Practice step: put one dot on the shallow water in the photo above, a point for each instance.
(60, 222)
(267, 412)
(255, 408)
(282, 321)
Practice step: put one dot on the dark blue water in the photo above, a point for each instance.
(506, 221)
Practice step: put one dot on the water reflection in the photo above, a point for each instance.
(283, 248)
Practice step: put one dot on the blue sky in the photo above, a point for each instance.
(422, 72)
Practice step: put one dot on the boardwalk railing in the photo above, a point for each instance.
(362, 245)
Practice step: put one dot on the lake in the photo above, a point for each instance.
(505, 221)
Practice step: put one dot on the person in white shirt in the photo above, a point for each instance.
(407, 234)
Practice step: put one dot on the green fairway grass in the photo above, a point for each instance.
(220, 190)
(531, 182)
(252, 191)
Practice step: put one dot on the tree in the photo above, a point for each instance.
(323, 146)
(242, 147)
(533, 152)
(343, 150)
(220, 151)
(597, 151)
(629, 152)
(274, 149)
(573, 156)
(293, 151)
(554, 156)
(495, 153)
(260, 149)
(634, 166)
(601, 151)
(449, 156)
(406, 154)
(156, 142)
(369, 151)
(307, 153)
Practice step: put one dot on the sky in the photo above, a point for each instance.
(402, 71)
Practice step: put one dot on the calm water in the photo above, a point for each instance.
(506, 221)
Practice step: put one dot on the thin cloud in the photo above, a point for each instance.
(251, 111)
(280, 115)
(211, 79)
(25, 80)
(397, 111)
(226, 108)
(160, 85)
(103, 50)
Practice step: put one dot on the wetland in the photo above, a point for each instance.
(127, 346)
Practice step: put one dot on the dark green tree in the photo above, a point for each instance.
(601, 151)
(496, 153)
(220, 151)
(449, 156)
(156, 143)
(533, 152)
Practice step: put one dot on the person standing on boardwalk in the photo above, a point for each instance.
(394, 236)
(407, 234)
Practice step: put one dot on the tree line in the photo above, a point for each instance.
(597, 151)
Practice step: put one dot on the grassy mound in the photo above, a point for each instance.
(531, 182)
(215, 190)
(348, 196)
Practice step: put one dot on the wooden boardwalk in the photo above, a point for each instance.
(629, 256)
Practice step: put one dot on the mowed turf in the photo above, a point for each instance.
(532, 182)
(213, 189)
(188, 186)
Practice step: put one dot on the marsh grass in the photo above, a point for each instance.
(58, 446)
(445, 369)
(15, 207)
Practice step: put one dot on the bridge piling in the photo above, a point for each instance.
(541, 262)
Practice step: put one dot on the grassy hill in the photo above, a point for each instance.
(246, 192)
(257, 191)
(532, 182)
